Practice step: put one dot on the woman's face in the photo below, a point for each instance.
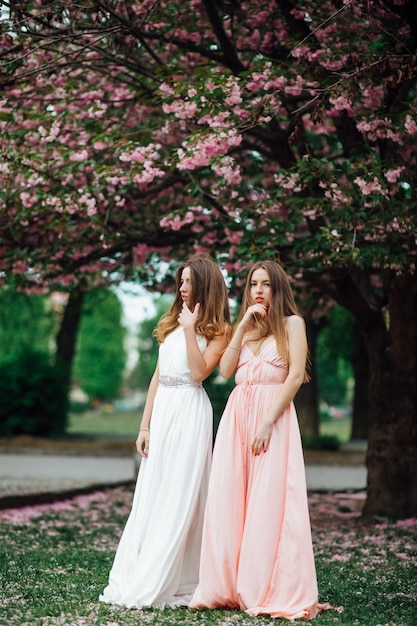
(260, 287)
(185, 286)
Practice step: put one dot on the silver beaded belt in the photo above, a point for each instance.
(176, 381)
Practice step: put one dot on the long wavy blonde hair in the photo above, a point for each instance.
(208, 287)
(282, 305)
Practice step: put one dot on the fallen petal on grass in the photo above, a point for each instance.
(55, 560)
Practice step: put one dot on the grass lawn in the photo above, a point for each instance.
(105, 421)
(55, 559)
(340, 428)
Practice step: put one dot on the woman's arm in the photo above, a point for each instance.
(230, 357)
(201, 363)
(297, 349)
(142, 441)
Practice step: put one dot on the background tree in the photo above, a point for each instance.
(26, 324)
(334, 356)
(33, 399)
(360, 365)
(244, 128)
(100, 357)
(307, 399)
(148, 345)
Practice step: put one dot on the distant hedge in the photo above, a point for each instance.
(34, 397)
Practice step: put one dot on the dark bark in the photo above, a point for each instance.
(360, 405)
(67, 335)
(392, 448)
(306, 400)
(388, 324)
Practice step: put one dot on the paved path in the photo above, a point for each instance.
(22, 475)
(335, 477)
(105, 469)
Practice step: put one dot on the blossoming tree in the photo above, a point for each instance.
(133, 132)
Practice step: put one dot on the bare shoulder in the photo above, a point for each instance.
(295, 324)
(221, 340)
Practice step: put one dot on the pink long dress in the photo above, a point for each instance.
(257, 551)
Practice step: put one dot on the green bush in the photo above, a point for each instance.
(100, 357)
(77, 406)
(218, 390)
(33, 396)
(322, 442)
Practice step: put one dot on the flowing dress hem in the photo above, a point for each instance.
(304, 614)
(170, 603)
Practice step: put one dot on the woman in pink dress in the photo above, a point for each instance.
(257, 550)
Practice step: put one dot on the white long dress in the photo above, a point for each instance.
(157, 560)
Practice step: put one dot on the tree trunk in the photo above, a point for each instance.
(387, 320)
(360, 406)
(306, 400)
(392, 448)
(67, 335)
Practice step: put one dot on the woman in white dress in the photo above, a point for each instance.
(157, 560)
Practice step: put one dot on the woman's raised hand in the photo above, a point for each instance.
(252, 311)
(188, 318)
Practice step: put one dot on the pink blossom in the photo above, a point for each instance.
(183, 109)
(410, 125)
(342, 558)
(27, 199)
(90, 203)
(199, 249)
(373, 96)
(234, 97)
(276, 83)
(198, 153)
(148, 174)
(20, 267)
(393, 175)
(99, 145)
(225, 169)
(341, 102)
(289, 181)
(258, 79)
(141, 153)
(141, 253)
(176, 222)
(113, 180)
(368, 187)
(296, 88)
(79, 156)
(166, 89)
(233, 236)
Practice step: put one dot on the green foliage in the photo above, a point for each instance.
(25, 324)
(333, 358)
(100, 355)
(322, 442)
(33, 396)
(218, 390)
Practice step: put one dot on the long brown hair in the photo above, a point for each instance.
(208, 287)
(282, 305)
